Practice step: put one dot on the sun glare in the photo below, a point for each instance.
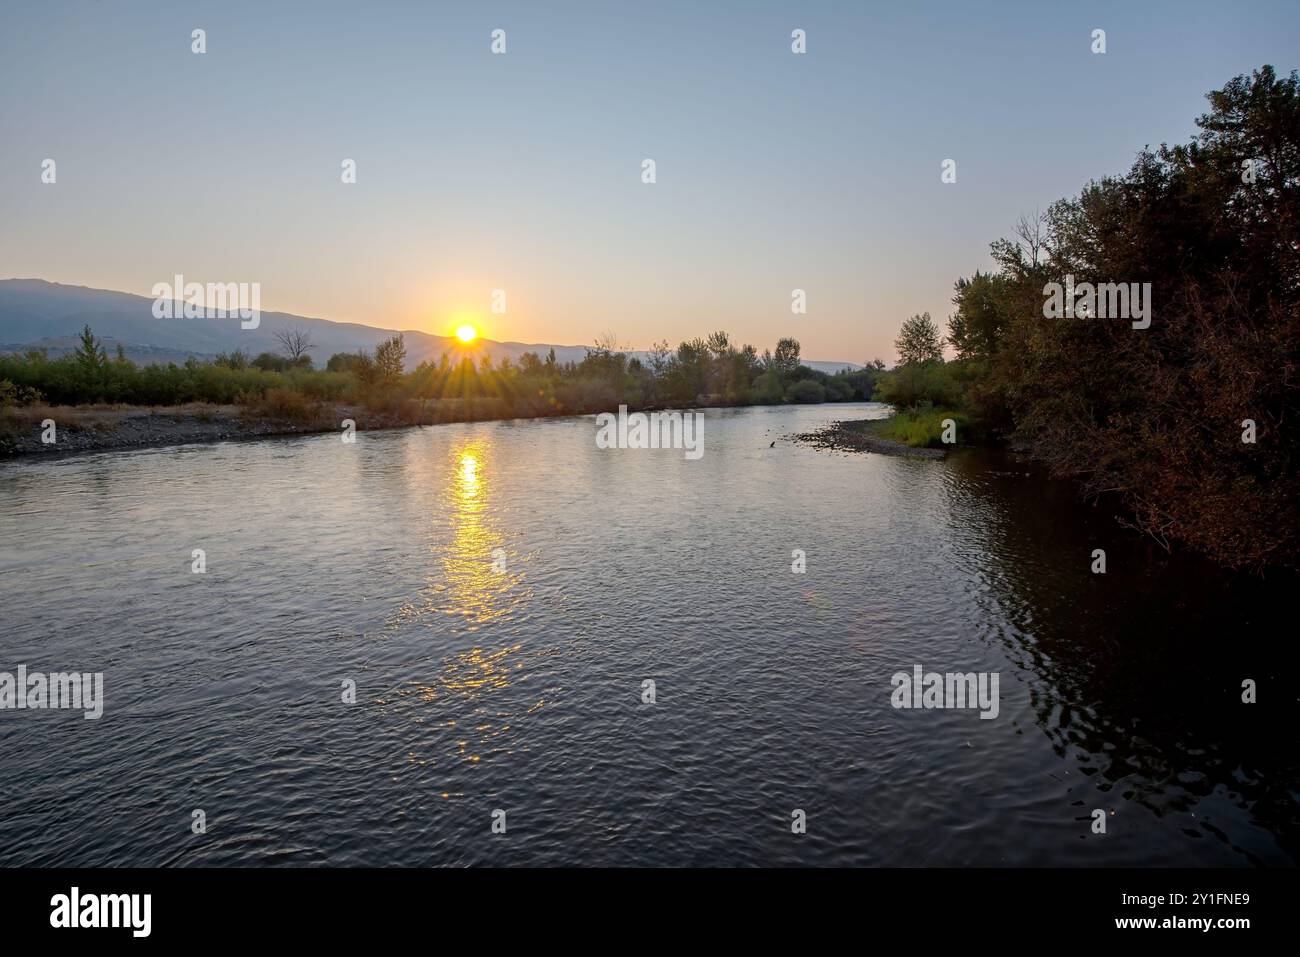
(466, 333)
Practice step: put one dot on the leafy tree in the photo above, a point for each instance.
(718, 344)
(806, 390)
(766, 389)
(1155, 415)
(270, 362)
(361, 364)
(983, 312)
(786, 359)
(390, 357)
(918, 340)
(233, 360)
(606, 359)
(916, 384)
(530, 364)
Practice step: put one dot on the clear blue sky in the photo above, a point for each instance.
(522, 171)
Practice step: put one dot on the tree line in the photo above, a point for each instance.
(702, 371)
(1194, 421)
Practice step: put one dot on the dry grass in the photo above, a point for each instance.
(102, 417)
(75, 418)
(288, 405)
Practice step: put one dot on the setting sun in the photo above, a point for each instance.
(466, 333)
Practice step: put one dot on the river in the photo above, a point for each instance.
(499, 593)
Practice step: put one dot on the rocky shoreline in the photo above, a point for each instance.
(102, 429)
(858, 436)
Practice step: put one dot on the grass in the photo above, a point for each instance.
(15, 419)
(920, 428)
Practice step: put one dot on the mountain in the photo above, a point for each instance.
(36, 313)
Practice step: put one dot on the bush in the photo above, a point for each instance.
(912, 385)
(766, 389)
(12, 395)
(921, 427)
(286, 405)
(838, 390)
(806, 390)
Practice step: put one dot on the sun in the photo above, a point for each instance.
(466, 333)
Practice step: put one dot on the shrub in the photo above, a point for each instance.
(286, 405)
(921, 427)
(806, 390)
(838, 390)
(12, 395)
(916, 383)
(766, 389)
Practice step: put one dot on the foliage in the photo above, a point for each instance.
(918, 341)
(711, 370)
(1157, 415)
(922, 426)
(911, 385)
(806, 390)
(390, 355)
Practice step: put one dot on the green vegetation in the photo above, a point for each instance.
(708, 371)
(920, 427)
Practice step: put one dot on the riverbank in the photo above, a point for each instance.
(861, 435)
(103, 428)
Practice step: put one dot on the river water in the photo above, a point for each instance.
(512, 680)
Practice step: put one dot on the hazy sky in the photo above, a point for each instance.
(477, 171)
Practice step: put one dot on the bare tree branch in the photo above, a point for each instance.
(295, 341)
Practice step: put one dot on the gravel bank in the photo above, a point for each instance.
(858, 436)
(87, 430)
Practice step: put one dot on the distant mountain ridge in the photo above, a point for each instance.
(38, 313)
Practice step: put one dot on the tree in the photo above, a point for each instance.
(233, 360)
(606, 358)
(688, 378)
(90, 355)
(607, 344)
(530, 364)
(983, 312)
(719, 344)
(296, 342)
(390, 357)
(918, 340)
(270, 362)
(1025, 255)
(786, 360)
(806, 390)
(1154, 414)
(660, 357)
(360, 364)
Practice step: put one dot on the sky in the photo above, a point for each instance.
(522, 171)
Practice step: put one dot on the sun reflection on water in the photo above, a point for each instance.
(468, 475)
(465, 686)
(471, 576)
(471, 581)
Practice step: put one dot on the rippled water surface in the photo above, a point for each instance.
(521, 689)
